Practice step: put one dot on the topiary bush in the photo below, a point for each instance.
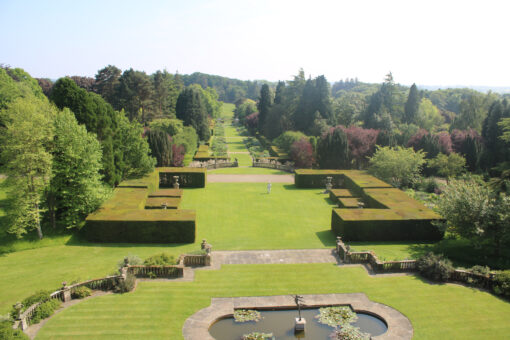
(502, 283)
(435, 267)
(162, 259)
(81, 292)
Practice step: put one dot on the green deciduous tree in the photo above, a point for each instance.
(398, 166)
(75, 188)
(474, 212)
(170, 126)
(134, 150)
(26, 146)
(449, 166)
(428, 116)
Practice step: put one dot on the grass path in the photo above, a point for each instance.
(235, 143)
(157, 310)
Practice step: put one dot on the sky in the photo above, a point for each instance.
(428, 42)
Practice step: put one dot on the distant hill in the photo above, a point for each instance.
(485, 89)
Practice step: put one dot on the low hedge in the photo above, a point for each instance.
(383, 225)
(188, 177)
(141, 226)
(308, 178)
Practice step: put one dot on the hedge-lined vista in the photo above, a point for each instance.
(140, 212)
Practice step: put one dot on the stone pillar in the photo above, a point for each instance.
(20, 319)
(208, 259)
(329, 185)
(66, 292)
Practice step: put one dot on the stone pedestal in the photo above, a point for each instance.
(300, 324)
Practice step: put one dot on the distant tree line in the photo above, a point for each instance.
(344, 123)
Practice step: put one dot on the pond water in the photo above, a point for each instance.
(281, 324)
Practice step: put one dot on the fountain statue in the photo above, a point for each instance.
(300, 322)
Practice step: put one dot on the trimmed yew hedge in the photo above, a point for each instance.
(141, 226)
(188, 177)
(307, 178)
(385, 225)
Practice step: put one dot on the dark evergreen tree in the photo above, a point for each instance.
(264, 104)
(97, 115)
(191, 110)
(305, 112)
(107, 81)
(412, 105)
(280, 88)
(333, 150)
(382, 103)
(135, 92)
(496, 150)
(164, 96)
(160, 144)
(323, 99)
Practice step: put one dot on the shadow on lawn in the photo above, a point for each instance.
(327, 238)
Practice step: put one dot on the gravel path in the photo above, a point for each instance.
(227, 178)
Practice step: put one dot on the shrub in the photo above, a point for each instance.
(435, 267)
(124, 285)
(480, 270)
(7, 333)
(428, 184)
(45, 310)
(502, 283)
(301, 152)
(286, 139)
(131, 260)
(81, 292)
(39, 296)
(162, 259)
(398, 166)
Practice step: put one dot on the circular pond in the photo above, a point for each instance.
(281, 324)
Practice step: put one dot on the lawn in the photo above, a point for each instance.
(157, 310)
(248, 171)
(236, 145)
(244, 216)
(242, 159)
(227, 110)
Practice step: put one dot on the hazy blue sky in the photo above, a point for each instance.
(428, 42)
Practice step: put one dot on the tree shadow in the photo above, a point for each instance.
(327, 238)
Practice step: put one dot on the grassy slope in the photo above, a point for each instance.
(157, 310)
